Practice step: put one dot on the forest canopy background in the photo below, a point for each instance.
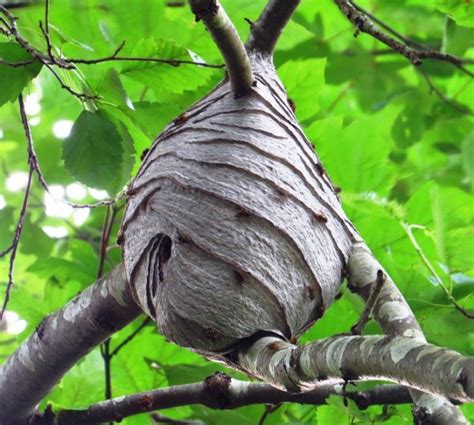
(398, 140)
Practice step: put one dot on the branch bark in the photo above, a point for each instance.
(60, 341)
(221, 392)
(266, 31)
(228, 41)
(362, 21)
(395, 317)
(407, 361)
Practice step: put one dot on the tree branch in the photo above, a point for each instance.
(12, 249)
(221, 392)
(50, 61)
(59, 341)
(228, 41)
(407, 361)
(266, 31)
(369, 304)
(394, 315)
(362, 21)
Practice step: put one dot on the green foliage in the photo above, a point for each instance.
(461, 11)
(402, 155)
(13, 80)
(92, 138)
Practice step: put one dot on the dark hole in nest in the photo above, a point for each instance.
(164, 254)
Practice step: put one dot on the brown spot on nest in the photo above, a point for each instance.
(292, 104)
(311, 292)
(142, 156)
(320, 217)
(243, 212)
(120, 239)
(213, 334)
(182, 238)
(282, 194)
(239, 277)
(276, 346)
(181, 119)
(320, 169)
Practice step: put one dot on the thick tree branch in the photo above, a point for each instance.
(407, 361)
(266, 31)
(221, 392)
(228, 41)
(60, 341)
(393, 314)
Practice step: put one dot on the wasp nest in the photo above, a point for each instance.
(232, 227)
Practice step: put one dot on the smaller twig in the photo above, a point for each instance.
(412, 50)
(114, 57)
(105, 353)
(4, 22)
(16, 64)
(408, 230)
(387, 27)
(19, 227)
(80, 96)
(109, 218)
(19, 4)
(175, 3)
(369, 306)
(49, 45)
(16, 241)
(442, 96)
(269, 409)
(46, 15)
(172, 62)
(228, 41)
(41, 179)
(130, 337)
(158, 418)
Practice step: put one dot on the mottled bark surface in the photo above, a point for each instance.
(232, 226)
(60, 341)
(221, 392)
(408, 361)
(392, 312)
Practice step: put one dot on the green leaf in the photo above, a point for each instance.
(153, 117)
(82, 385)
(457, 39)
(304, 81)
(164, 77)
(468, 157)
(462, 11)
(316, 26)
(408, 126)
(187, 373)
(6, 223)
(111, 88)
(14, 79)
(61, 270)
(94, 152)
(330, 415)
(34, 241)
(356, 157)
(454, 227)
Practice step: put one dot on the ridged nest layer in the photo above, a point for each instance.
(232, 226)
